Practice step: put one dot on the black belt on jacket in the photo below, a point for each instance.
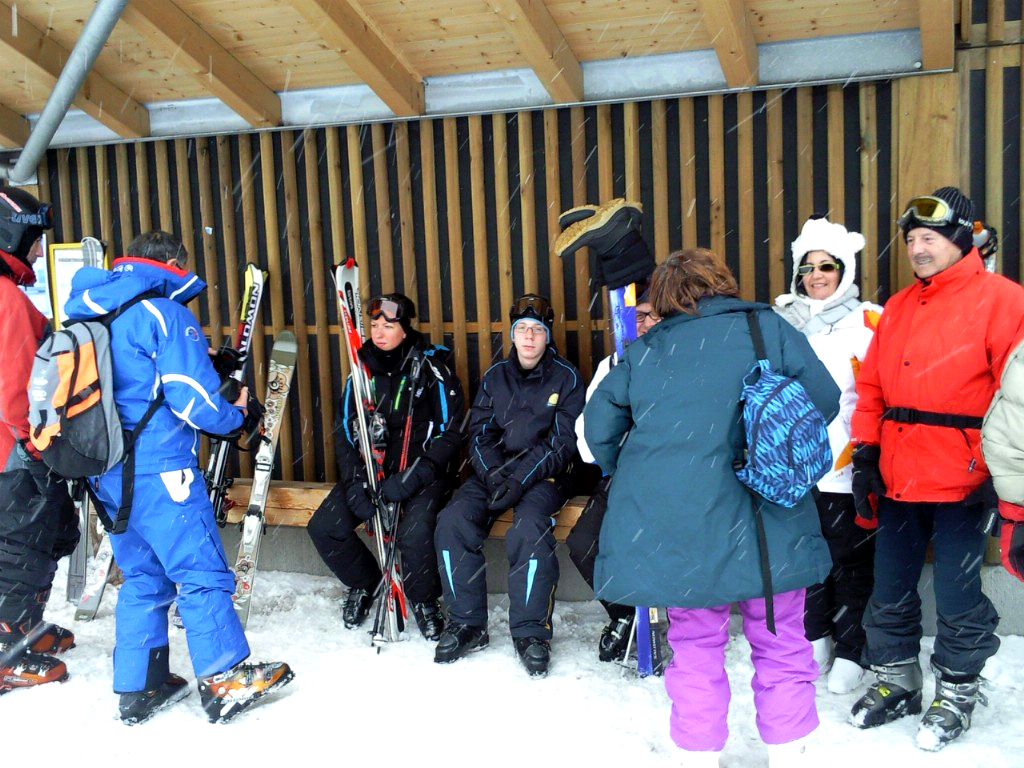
(932, 419)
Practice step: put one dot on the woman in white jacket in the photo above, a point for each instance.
(824, 303)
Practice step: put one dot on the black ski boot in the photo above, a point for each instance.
(950, 713)
(535, 654)
(895, 693)
(457, 640)
(357, 607)
(138, 707)
(429, 619)
(615, 638)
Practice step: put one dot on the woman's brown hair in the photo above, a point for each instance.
(687, 276)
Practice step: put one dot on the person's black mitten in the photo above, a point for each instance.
(507, 495)
(867, 479)
(251, 421)
(357, 496)
(402, 485)
(226, 361)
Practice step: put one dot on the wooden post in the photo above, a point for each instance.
(928, 151)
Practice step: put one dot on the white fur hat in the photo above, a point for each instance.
(820, 234)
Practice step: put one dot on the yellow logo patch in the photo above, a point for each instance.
(553, 400)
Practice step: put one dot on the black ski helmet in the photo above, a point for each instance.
(22, 221)
(531, 306)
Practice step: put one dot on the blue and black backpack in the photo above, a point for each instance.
(787, 449)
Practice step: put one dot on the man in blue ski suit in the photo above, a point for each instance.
(158, 347)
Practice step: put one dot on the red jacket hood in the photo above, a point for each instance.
(21, 273)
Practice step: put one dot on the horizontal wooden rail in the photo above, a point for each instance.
(292, 504)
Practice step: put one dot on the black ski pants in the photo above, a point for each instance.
(462, 529)
(583, 544)
(836, 606)
(967, 620)
(333, 531)
(38, 526)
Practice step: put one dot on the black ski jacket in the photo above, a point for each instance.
(522, 424)
(438, 407)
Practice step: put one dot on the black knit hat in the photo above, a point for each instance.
(960, 231)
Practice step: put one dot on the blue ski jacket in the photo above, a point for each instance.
(156, 344)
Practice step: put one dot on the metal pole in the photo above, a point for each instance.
(97, 29)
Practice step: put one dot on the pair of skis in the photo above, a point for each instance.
(647, 625)
(392, 609)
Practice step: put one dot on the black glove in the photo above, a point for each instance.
(226, 361)
(254, 411)
(495, 478)
(357, 496)
(507, 495)
(401, 485)
(867, 479)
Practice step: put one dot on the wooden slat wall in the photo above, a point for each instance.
(459, 213)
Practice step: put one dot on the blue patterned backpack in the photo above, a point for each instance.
(788, 450)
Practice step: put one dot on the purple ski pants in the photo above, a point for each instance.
(783, 682)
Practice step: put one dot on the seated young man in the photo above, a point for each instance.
(521, 443)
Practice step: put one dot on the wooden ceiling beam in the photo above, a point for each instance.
(727, 23)
(367, 52)
(544, 47)
(14, 128)
(169, 28)
(98, 97)
(937, 33)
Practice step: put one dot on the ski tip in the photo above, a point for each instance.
(284, 341)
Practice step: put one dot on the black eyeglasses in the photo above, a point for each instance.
(826, 267)
(643, 317)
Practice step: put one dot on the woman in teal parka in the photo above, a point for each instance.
(680, 527)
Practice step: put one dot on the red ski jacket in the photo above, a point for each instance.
(940, 347)
(21, 329)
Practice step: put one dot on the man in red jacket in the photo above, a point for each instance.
(38, 524)
(930, 373)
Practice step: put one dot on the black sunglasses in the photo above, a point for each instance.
(827, 266)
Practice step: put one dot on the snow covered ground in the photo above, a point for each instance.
(348, 705)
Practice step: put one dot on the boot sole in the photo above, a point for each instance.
(172, 699)
(236, 711)
(478, 646)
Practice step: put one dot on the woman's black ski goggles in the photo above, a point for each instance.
(391, 308)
